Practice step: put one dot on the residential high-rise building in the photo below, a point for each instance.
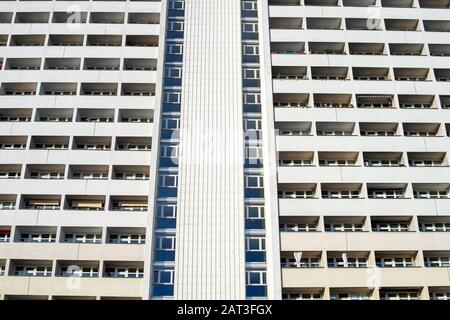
(225, 149)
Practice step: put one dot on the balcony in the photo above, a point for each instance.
(35, 234)
(6, 17)
(141, 41)
(380, 129)
(329, 73)
(431, 190)
(8, 201)
(326, 47)
(102, 64)
(402, 24)
(407, 49)
(287, 47)
(136, 115)
(397, 3)
(13, 142)
(341, 190)
(95, 115)
(442, 75)
(10, 171)
(373, 74)
(335, 128)
(66, 40)
(15, 114)
(91, 143)
(45, 171)
(293, 128)
(374, 101)
(386, 190)
(291, 100)
(99, 89)
(133, 143)
(49, 142)
(359, 3)
(18, 88)
(366, 48)
(427, 159)
(41, 202)
(140, 64)
(121, 235)
(69, 17)
(62, 64)
(32, 17)
(434, 4)
(392, 224)
(143, 18)
(78, 268)
(439, 50)
(412, 74)
(107, 17)
(124, 269)
(131, 172)
(422, 129)
(85, 203)
(295, 159)
(286, 23)
(23, 64)
(59, 88)
(289, 73)
(138, 89)
(82, 235)
(383, 159)
(324, 23)
(104, 40)
(27, 40)
(373, 24)
(297, 191)
(323, 100)
(88, 172)
(129, 203)
(31, 268)
(53, 115)
(436, 25)
(416, 102)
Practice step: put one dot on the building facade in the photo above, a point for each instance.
(225, 149)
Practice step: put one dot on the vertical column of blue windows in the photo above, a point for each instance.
(167, 182)
(255, 232)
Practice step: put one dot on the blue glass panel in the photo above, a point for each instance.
(171, 107)
(254, 224)
(254, 193)
(256, 291)
(255, 256)
(167, 192)
(163, 223)
(160, 290)
(164, 255)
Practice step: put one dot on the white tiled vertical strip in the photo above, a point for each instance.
(210, 231)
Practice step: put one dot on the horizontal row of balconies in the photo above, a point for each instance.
(71, 89)
(80, 235)
(363, 101)
(368, 24)
(99, 64)
(299, 49)
(79, 40)
(82, 115)
(355, 190)
(80, 17)
(75, 202)
(290, 162)
(366, 129)
(364, 292)
(79, 172)
(431, 4)
(389, 223)
(97, 143)
(360, 73)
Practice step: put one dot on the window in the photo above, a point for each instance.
(340, 194)
(170, 123)
(165, 242)
(173, 72)
(350, 296)
(440, 295)
(251, 73)
(168, 151)
(304, 263)
(33, 271)
(251, 27)
(390, 227)
(255, 244)
(254, 182)
(435, 227)
(75, 271)
(254, 152)
(386, 194)
(82, 238)
(333, 163)
(127, 238)
(302, 296)
(172, 97)
(37, 237)
(7, 205)
(344, 227)
(174, 48)
(250, 49)
(399, 295)
(424, 194)
(176, 5)
(394, 262)
(168, 181)
(5, 235)
(340, 262)
(163, 276)
(252, 124)
(296, 194)
(252, 98)
(175, 26)
(295, 162)
(249, 5)
(437, 261)
(124, 272)
(298, 227)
